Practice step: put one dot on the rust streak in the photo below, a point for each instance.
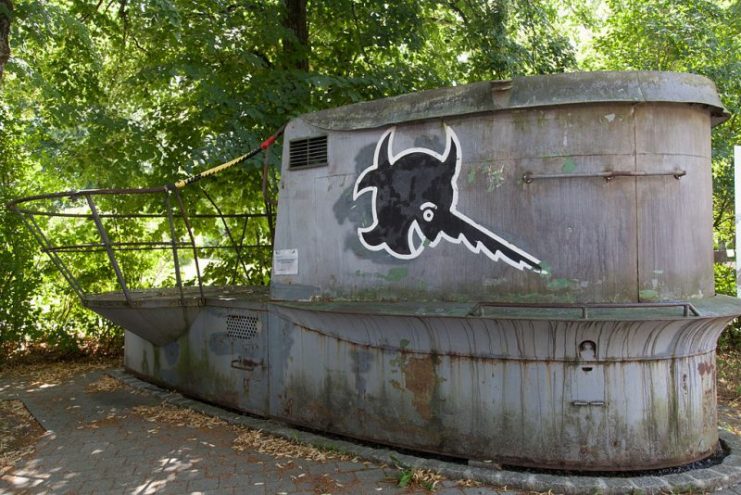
(420, 379)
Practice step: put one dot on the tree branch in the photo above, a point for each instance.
(6, 12)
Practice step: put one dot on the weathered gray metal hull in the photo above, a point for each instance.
(522, 391)
(405, 224)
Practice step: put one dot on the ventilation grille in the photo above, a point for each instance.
(242, 327)
(307, 153)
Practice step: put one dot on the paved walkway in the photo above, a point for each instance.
(97, 443)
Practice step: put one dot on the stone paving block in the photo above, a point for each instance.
(704, 474)
(249, 468)
(650, 484)
(256, 487)
(99, 484)
(220, 491)
(734, 459)
(236, 481)
(679, 482)
(21, 480)
(288, 486)
(344, 477)
(161, 486)
(203, 484)
(449, 491)
(729, 491)
(371, 475)
(219, 469)
(476, 491)
(350, 466)
(619, 485)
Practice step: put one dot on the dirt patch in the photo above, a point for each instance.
(281, 448)
(106, 383)
(19, 432)
(44, 373)
(110, 420)
(729, 378)
(729, 390)
(245, 439)
(324, 484)
(178, 416)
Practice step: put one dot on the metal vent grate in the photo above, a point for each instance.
(242, 327)
(306, 153)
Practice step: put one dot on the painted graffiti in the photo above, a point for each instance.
(414, 204)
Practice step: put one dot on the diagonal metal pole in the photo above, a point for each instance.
(38, 233)
(737, 191)
(173, 241)
(107, 245)
(228, 231)
(186, 220)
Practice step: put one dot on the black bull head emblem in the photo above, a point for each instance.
(414, 204)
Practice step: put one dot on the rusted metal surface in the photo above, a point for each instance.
(571, 394)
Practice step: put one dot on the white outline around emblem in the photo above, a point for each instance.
(417, 248)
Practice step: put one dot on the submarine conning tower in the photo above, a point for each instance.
(603, 177)
(587, 341)
(516, 271)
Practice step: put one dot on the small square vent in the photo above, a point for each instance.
(242, 327)
(307, 153)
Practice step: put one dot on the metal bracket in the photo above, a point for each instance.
(597, 403)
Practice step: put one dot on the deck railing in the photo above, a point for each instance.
(89, 222)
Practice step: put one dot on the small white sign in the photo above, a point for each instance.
(285, 262)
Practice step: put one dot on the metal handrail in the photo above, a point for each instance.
(171, 213)
(529, 177)
(687, 307)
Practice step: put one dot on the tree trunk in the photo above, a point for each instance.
(296, 49)
(6, 9)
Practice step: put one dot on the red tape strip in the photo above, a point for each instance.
(266, 144)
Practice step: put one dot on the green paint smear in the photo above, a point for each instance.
(568, 166)
(559, 284)
(472, 175)
(393, 275)
(546, 272)
(648, 295)
(404, 343)
(396, 274)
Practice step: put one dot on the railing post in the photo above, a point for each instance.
(186, 220)
(173, 242)
(737, 223)
(107, 244)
